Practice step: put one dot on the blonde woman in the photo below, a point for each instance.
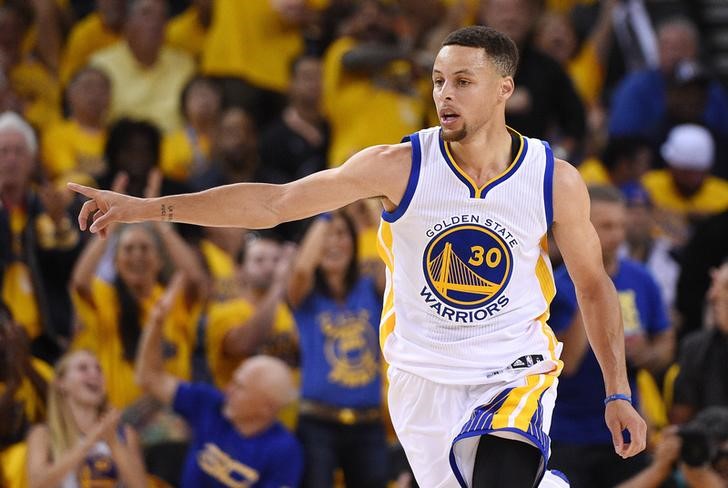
(82, 444)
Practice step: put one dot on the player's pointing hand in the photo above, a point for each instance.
(104, 208)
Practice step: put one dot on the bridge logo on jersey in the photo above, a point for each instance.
(467, 266)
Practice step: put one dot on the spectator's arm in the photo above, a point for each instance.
(48, 27)
(601, 33)
(662, 351)
(570, 111)
(149, 369)
(660, 469)
(245, 339)
(184, 259)
(85, 269)
(307, 260)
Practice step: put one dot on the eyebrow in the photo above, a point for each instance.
(465, 71)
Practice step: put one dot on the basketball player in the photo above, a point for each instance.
(473, 365)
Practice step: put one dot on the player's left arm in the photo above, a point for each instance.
(598, 302)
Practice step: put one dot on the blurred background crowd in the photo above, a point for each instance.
(154, 97)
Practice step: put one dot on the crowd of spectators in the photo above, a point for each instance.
(178, 356)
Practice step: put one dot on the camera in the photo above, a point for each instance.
(698, 448)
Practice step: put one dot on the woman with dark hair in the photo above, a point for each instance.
(337, 312)
(23, 388)
(112, 311)
(82, 443)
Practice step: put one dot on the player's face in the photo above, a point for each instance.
(466, 89)
(83, 382)
(261, 258)
(609, 219)
(137, 258)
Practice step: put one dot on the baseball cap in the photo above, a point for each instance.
(689, 146)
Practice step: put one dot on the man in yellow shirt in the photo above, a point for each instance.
(147, 77)
(686, 192)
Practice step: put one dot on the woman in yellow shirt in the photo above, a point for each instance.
(112, 311)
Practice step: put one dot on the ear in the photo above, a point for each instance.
(507, 86)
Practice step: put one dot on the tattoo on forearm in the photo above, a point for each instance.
(167, 212)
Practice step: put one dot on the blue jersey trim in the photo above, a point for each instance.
(510, 172)
(453, 168)
(414, 177)
(548, 185)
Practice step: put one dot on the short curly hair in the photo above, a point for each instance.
(498, 47)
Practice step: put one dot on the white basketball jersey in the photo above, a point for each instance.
(469, 281)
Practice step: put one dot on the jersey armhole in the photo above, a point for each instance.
(414, 177)
(548, 186)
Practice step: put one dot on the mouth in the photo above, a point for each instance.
(449, 117)
(94, 388)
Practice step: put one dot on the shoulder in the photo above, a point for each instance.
(569, 187)
(197, 394)
(637, 272)
(38, 435)
(176, 57)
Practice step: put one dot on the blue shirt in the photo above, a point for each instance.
(639, 107)
(339, 345)
(218, 452)
(579, 413)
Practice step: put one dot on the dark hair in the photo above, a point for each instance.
(605, 193)
(125, 129)
(257, 235)
(500, 48)
(352, 271)
(622, 147)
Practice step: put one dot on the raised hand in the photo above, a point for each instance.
(621, 415)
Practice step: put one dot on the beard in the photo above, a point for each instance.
(454, 135)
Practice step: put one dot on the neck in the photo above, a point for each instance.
(85, 416)
(202, 126)
(144, 55)
(251, 427)
(89, 121)
(141, 291)
(640, 249)
(307, 112)
(336, 283)
(484, 154)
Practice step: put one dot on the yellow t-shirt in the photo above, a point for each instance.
(40, 91)
(13, 472)
(18, 292)
(282, 343)
(594, 172)
(151, 94)
(222, 269)
(99, 334)
(711, 198)
(362, 114)
(180, 153)
(587, 73)
(185, 33)
(87, 37)
(242, 38)
(70, 152)
(225, 316)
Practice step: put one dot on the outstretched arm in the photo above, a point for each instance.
(378, 171)
(149, 367)
(598, 302)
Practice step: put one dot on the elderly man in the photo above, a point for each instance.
(35, 234)
(147, 77)
(236, 440)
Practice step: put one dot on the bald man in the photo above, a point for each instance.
(236, 438)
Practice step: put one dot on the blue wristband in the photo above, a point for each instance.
(618, 396)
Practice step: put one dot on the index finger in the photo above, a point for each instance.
(86, 191)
